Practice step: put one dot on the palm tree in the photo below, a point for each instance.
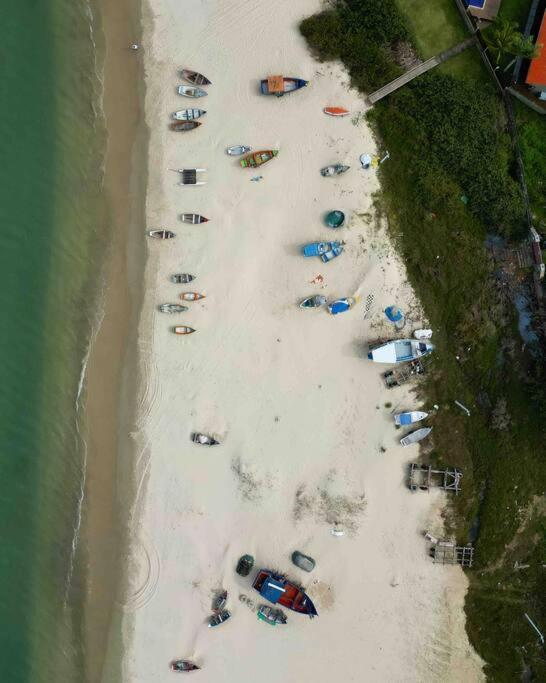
(503, 38)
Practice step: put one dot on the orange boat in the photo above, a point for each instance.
(191, 296)
(336, 111)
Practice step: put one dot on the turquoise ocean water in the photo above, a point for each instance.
(52, 239)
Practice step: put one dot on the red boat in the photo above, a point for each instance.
(277, 589)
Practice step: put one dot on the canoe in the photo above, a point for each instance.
(161, 234)
(182, 329)
(189, 176)
(194, 77)
(277, 589)
(341, 305)
(182, 126)
(191, 91)
(400, 351)
(182, 278)
(172, 308)
(335, 111)
(334, 219)
(188, 114)
(410, 417)
(180, 665)
(258, 158)
(193, 218)
(191, 296)
(220, 618)
(334, 169)
(417, 435)
(281, 85)
(237, 150)
(313, 301)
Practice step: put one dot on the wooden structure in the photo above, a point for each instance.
(424, 477)
(483, 10)
(401, 375)
(446, 552)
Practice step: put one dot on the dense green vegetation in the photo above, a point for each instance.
(447, 142)
(532, 142)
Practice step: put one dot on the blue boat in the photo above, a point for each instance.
(326, 250)
(341, 305)
(332, 253)
(281, 85)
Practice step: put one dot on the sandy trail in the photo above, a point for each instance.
(304, 419)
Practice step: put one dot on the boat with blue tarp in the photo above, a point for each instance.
(277, 589)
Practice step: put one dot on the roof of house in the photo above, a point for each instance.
(537, 69)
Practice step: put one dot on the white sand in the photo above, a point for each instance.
(288, 392)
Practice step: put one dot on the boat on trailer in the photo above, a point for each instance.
(188, 114)
(281, 85)
(277, 589)
(410, 417)
(194, 77)
(161, 234)
(400, 351)
(193, 218)
(416, 436)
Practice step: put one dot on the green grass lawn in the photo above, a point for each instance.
(515, 10)
(435, 26)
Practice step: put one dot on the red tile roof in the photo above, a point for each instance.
(537, 70)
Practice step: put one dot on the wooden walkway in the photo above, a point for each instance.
(419, 69)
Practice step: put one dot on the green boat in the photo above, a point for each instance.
(335, 219)
(271, 616)
(258, 158)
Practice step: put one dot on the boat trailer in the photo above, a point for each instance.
(401, 375)
(424, 477)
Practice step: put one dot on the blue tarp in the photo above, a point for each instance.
(272, 590)
(394, 314)
(405, 419)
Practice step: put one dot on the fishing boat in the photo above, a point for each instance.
(313, 301)
(184, 126)
(409, 418)
(182, 278)
(188, 114)
(341, 305)
(189, 176)
(258, 158)
(204, 439)
(271, 615)
(332, 253)
(281, 85)
(194, 77)
(335, 111)
(334, 169)
(219, 601)
(191, 91)
(244, 565)
(161, 234)
(172, 308)
(191, 296)
(237, 150)
(417, 435)
(183, 329)
(335, 219)
(220, 618)
(400, 351)
(325, 250)
(277, 589)
(183, 665)
(193, 218)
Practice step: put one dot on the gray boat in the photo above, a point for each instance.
(334, 169)
(182, 278)
(417, 435)
(172, 308)
(220, 618)
(313, 301)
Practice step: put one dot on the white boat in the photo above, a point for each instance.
(161, 234)
(410, 417)
(188, 114)
(417, 435)
(422, 334)
(400, 351)
(191, 91)
(237, 150)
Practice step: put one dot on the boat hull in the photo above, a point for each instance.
(281, 85)
(161, 234)
(182, 329)
(194, 77)
(400, 351)
(336, 111)
(276, 589)
(188, 114)
(409, 418)
(416, 436)
(191, 91)
(193, 218)
(191, 296)
(237, 150)
(257, 159)
(184, 126)
(182, 278)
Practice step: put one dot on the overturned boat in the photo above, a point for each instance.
(172, 308)
(416, 436)
(334, 169)
(281, 85)
(410, 417)
(341, 305)
(400, 351)
(277, 589)
(182, 278)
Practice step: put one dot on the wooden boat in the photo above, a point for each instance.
(191, 91)
(219, 601)
(193, 218)
(334, 169)
(161, 234)
(172, 308)
(194, 77)
(281, 85)
(341, 305)
(182, 278)
(204, 439)
(258, 158)
(183, 126)
(403, 419)
(244, 565)
(191, 296)
(188, 114)
(220, 618)
(417, 435)
(313, 301)
(237, 150)
(400, 351)
(277, 589)
(271, 615)
(335, 111)
(189, 176)
(183, 329)
(183, 665)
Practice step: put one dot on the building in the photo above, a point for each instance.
(483, 10)
(536, 74)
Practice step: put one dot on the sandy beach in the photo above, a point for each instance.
(304, 419)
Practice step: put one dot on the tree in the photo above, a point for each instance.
(503, 38)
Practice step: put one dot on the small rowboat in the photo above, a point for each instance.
(219, 601)
(410, 417)
(172, 308)
(313, 301)
(335, 111)
(417, 435)
(271, 615)
(193, 218)
(188, 114)
(258, 158)
(182, 278)
(191, 296)
(280, 85)
(182, 329)
(204, 439)
(341, 305)
(182, 126)
(161, 234)
(181, 665)
(191, 91)
(237, 150)
(194, 77)
(219, 618)
(335, 169)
